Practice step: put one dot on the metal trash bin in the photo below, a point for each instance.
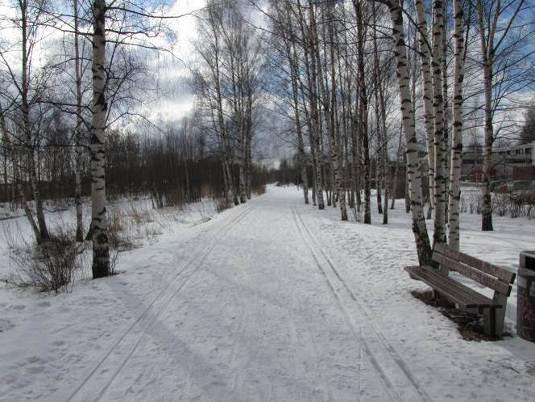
(525, 308)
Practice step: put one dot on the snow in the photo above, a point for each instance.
(272, 300)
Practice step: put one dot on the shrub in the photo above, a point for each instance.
(501, 203)
(49, 266)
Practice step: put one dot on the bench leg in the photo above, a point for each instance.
(493, 319)
(500, 312)
(489, 321)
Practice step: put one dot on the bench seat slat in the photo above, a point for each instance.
(471, 273)
(491, 269)
(454, 290)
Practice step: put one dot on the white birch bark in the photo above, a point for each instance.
(294, 68)
(457, 143)
(425, 56)
(419, 228)
(315, 131)
(77, 131)
(439, 234)
(335, 129)
(99, 220)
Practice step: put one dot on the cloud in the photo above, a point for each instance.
(171, 68)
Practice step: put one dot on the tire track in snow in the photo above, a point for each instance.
(402, 371)
(100, 374)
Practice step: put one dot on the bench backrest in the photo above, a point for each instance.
(489, 275)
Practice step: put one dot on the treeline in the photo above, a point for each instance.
(174, 166)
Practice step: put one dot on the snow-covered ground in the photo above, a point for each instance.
(268, 301)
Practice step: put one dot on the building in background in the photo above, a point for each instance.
(516, 162)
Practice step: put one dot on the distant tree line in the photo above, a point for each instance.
(173, 166)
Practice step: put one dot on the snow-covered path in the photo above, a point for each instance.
(270, 301)
(254, 316)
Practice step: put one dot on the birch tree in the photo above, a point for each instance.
(427, 83)
(457, 138)
(26, 87)
(78, 151)
(419, 228)
(440, 129)
(99, 219)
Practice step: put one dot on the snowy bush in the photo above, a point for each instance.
(471, 201)
(501, 203)
(505, 202)
(514, 203)
(49, 266)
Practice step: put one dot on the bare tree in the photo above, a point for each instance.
(457, 140)
(502, 35)
(26, 87)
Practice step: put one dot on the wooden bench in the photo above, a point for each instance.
(491, 276)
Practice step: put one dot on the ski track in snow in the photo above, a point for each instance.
(270, 301)
(100, 376)
(417, 392)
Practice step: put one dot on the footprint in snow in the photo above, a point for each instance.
(33, 359)
(35, 369)
(5, 325)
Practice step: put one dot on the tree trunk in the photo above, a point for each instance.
(314, 112)
(396, 170)
(457, 143)
(439, 234)
(99, 220)
(361, 37)
(486, 209)
(30, 140)
(419, 228)
(77, 133)
(425, 56)
(294, 76)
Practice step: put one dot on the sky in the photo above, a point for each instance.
(174, 99)
(169, 68)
